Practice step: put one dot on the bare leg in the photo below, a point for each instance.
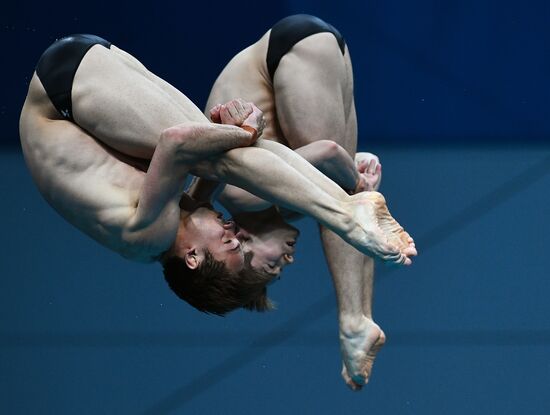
(314, 96)
(117, 100)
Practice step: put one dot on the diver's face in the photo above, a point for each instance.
(207, 230)
(272, 250)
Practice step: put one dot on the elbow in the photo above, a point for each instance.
(171, 139)
(178, 133)
(183, 142)
(330, 152)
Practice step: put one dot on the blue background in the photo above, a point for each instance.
(454, 98)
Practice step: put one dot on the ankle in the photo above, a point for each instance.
(350, 324)
(337, 215)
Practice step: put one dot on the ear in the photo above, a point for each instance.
(193, 258)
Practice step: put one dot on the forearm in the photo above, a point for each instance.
(197, 142)
(326, 156)
(162, 187)
(180, 148)
(304, 168)
(333, 161)
(270, 177)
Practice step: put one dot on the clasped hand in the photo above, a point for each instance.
(241, 114)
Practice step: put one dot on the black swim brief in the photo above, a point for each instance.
(289, 31)
(57, 67)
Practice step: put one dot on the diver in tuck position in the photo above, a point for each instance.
(300, 74)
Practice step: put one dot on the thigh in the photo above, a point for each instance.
(174, 93)
(313, 89)
(118, 101)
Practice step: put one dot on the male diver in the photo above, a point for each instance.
(300, 74)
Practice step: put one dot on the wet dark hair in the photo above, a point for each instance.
(212, 288)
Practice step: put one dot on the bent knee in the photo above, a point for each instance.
(329, 149)
(323, 47)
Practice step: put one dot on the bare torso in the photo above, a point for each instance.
(91, 171)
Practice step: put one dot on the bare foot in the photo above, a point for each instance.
(359, 348)
(376, 232)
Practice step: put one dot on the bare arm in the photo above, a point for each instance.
(238, 113)
(262, 172)
(180, 149)
(326, 156)
(333, 161)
